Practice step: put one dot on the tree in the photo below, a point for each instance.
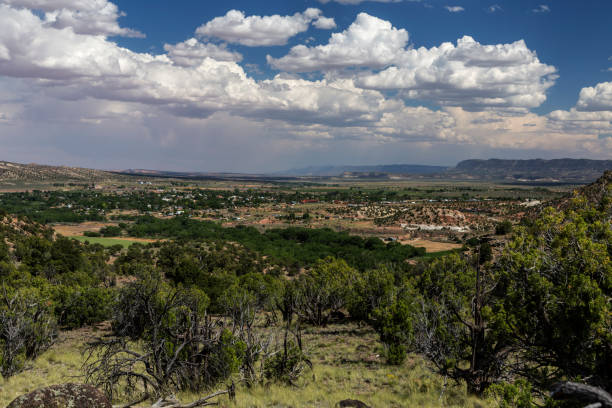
(503, 228)
(110, 231)
(556, 282)
(77, 306)
(370, 290)
(393, 320)
(163, 342)
(263, 358)
(266, 288)
(240, 306)
(542, 311)
(4, 252)
(456, 326)
(323, 290)
(27, 328)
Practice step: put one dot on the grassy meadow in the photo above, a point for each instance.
(107, 242)
(347, 364)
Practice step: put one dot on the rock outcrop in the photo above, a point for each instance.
(351, 403)
(63, 396)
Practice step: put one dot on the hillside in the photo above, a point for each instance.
(13, 229)
(36, 172)
(557, 170)
(598, 194)
(190, 175)
(579, 171)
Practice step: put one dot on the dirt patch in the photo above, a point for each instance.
(77, 230)
(431, 246)
(73, 230)
(84, 334)
(143, 240)
(125, 280)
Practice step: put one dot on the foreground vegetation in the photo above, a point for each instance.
(346, 361)
(303, 317)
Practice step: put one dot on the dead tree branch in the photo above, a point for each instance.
(588, 394)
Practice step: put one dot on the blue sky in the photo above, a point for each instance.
(194, 85)
(573, 36)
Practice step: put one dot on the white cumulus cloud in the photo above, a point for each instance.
(454, 9)
(75, 66)
(192, 52)
(469, 74)
(542, 8)
(592, 113)
(95, 17)
(253, 31)
(324, 23)
(368, 42)
(597, 98)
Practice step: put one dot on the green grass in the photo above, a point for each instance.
(347, 365)
(107, 242)
(440, 254)
(60, 364)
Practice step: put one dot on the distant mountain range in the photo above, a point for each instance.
(537, 170)
(579, 171)
(184, 174)
(334, 171)
(522, 171)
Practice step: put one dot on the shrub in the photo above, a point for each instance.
(27, 329)
(517, 395)
(81, 306)
(164, 343)
(4, 251)
(287, 365)
(556, 289)
(393, 322)
(370, 290)
(324, 290)
(110, 231)
(503, 228)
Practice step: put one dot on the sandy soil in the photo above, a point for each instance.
(431, 246)
(72, 230)
(75, 230)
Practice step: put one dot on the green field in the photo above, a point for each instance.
(439, 254)
(107, 242)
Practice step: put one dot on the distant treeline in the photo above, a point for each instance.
(290, 247)
(89, 205)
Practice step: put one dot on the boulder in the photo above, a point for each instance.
(63, 396)
(351, 403)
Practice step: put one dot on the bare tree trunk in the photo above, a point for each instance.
(595, 397)
(477, 383)
(171, 402)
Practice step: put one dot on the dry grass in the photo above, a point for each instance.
(61, 364)
(347, 364)
(72, 230)
(431, 246)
